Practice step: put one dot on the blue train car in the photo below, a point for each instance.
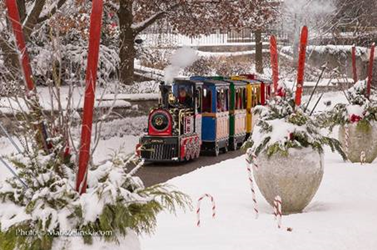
(215, 115)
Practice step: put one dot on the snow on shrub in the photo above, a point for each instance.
(115, 201)
(360, 109)
(282, 126)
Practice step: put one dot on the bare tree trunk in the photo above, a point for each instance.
(11, 60)
(127, 50)
(258, 52)
(21, 9)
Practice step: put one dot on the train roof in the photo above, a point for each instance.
(237, 83)
(214, 81)
(187, 81)
(264, 80)
(250, 81)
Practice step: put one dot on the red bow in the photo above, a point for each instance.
(355, 118)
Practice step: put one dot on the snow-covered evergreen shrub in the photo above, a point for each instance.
(360, 109)
(282, 126)
(115, 201)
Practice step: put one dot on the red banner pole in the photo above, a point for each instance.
(354, 70)
(274, 63)
(301, 64)
(91, 77)
(370, 69)
(14, 18)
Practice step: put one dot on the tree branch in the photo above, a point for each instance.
(139, 27)
(52, 11)
(32, 18)
(21, 9)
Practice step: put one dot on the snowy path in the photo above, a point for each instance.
(341, 216)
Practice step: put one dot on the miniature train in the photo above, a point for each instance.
(202, 114)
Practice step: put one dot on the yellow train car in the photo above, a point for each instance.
(258, 91)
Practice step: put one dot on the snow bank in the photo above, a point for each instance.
(341, 216)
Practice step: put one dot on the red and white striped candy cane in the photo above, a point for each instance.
(198, 207)
(252, 156)
(363, 157)
(346, 138)
(277, 210)
(252, 188)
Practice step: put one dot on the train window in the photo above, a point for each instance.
(227, 97)
(255, 96)
(222, 100)
(185, 96)
(239, 99)
(244, 98)
(198, 100)
(207, 100)
(236, 97)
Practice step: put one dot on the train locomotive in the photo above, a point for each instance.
(202, 115)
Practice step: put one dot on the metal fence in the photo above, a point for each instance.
(166, 38)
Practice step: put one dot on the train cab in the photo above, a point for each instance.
(188, 95)
(174, 128)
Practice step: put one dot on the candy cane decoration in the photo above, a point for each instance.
(278, 213)
(363, 157)
(346, 138)
(252, 189)
(277, 210)
(198, 207)
(253, 157)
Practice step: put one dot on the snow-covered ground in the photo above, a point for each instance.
(341, 216)
(48, 100)
(112, 96)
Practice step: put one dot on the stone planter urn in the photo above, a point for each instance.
(362, 138)
(295, 178)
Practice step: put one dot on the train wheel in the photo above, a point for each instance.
(188, 152)
(198, 152)
(234, 147)
(216, 150)
(193, 151)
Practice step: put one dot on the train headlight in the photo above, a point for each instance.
(160, 121)
(172, 99)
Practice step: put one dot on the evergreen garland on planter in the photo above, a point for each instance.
(282, 126)
(360, 110)
(115, 201)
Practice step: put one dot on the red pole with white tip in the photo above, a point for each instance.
(301, 65)
(15, 21)
(370, 69)
(91, 77)
(274, 63)
(354, 70)
(14, 18)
